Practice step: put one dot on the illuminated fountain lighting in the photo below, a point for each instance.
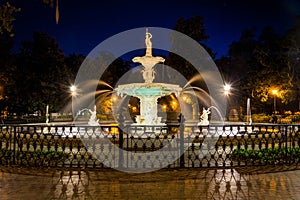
(148, 92)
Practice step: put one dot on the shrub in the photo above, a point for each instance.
(267, 155)
(38, 157)
(261, 118)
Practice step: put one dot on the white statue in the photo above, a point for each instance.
(204, 117)
(93, 121)
(148, 43)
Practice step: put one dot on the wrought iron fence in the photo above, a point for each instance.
(124, 147)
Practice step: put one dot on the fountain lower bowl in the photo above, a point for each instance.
(148, 89)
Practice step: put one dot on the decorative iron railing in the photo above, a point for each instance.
(134, 146)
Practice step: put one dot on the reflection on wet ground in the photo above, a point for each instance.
(240, 183)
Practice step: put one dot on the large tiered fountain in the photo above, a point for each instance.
(148, 92)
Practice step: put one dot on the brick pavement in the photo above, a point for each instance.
(239, 183)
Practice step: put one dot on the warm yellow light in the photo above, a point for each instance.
(174, 102)
(274, 91)
(134, 108)
(164, 106)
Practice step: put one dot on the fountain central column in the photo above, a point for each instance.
(148, 110)
(148, 61)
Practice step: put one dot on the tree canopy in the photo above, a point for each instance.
(257, 63)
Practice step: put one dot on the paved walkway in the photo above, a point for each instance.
(240, 183)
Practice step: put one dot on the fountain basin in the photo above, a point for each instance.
(148, 93)
(148, 89)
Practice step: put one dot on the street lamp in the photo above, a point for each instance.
(227, 89)
(274, 92)
(73, 90)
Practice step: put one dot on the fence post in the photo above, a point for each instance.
(121, 140)
(14, 146)
(181, 132)
(287, 157)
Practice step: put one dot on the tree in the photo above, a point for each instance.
(73, 62)
(194, 28)
(7, 67)
(7, 18)
(291, 61)
(256, 64)
(42, 77)
(115, 71)
(273, 56)
(238, 66)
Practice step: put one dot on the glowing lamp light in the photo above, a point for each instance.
(73, 90)
(274, 92)
(227, 89)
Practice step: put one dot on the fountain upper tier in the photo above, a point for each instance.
(148, 61)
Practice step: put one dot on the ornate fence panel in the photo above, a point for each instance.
(240, 145)
(149, 146)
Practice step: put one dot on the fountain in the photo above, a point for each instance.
(148, 92)
(150, 144)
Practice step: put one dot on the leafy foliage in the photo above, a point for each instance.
(6, 19)
(40, 75)
(259, 64)
(37, 157)
(267, 155)
(194, 28)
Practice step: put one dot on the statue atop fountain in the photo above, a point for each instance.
(148, 61)
(148, 43)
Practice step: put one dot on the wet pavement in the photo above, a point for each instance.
(280, 182)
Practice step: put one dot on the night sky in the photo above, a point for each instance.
(86, 23)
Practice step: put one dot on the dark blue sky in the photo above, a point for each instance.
(86, 23)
